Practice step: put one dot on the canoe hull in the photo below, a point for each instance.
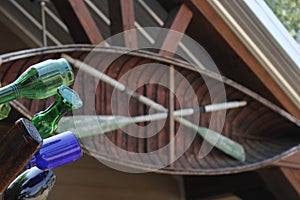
(266, 131)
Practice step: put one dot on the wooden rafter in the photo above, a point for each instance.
(79, 21)
(171, 107)
(177, 20)
(122, 18)
(292, 162)
(293, 176)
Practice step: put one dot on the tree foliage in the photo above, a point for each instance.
(288, 12)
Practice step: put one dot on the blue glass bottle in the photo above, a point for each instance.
(32, 184)
(55, 151)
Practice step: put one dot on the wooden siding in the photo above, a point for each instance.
(87, 178)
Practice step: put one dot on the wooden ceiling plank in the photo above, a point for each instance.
(220, 25)
(115, 17)
(122, 18)
(178, 21)
(79, 21)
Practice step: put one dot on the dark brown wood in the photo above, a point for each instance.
(178, 21)
(17, 146)
(21, 109)
(282, 182)
(247, 185)
(241, 50)
(122, 18)
(79, 21)
(13, 37)
(128, 18)
(265, 130)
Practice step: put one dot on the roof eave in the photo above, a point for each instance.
(264, 35)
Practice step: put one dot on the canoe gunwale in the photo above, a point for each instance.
(208, 172)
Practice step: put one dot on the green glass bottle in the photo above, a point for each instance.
(39, 81)
(46, 121)
(4, 110)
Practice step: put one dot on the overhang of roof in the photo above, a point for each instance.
(253, 31)
(260, 39)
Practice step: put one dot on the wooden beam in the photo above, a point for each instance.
(122, 18)
(177, 20)
(293, 175)
(292, 161)
(220, 25)
(79, 21)
(171, 107)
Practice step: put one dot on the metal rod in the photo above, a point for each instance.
(86, 125)
(44, 30)
(108, 123)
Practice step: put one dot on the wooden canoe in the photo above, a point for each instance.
(266, 131)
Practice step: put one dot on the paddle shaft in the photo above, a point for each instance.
(213, 137)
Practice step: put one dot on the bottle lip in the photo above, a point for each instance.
(69, 96)
(68, 68)
(31, 130)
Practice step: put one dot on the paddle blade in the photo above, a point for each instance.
(89, 125)
(223, 143)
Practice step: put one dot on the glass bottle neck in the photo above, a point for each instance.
(32, 163)
(46, 121)
(8, 93)
(56, 111)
